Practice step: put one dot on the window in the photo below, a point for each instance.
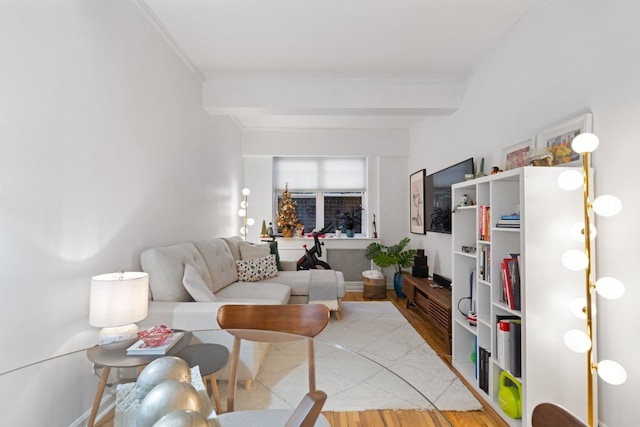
(322, 187)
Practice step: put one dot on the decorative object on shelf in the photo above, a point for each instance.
(263, 231)
(117, 301)
(374, 227)
(575, 260)
(540, 157)
(416, 205)
(286, 217)
(480, 172)
(350, 220)
(299, 229)
(270, 230)
(558, 140)
(396, 256)
(517, 155)
(244, 212)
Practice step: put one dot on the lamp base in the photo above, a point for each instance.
(118, 337)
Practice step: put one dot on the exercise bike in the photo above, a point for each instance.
(310, 261)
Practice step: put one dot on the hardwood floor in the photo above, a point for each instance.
(394, 418)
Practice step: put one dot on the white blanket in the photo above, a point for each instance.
(323, 288)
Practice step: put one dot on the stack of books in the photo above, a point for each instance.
(509, 221)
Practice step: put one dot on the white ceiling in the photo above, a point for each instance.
(322, 40)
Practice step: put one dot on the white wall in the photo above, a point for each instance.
(105, 150)
(565, 59)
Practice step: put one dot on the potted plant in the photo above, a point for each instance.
(349, 220)
(396, 256)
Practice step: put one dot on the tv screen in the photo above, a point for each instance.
(438, 195)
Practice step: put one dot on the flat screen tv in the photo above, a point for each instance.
(438, 195)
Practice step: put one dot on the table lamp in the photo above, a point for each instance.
(117, 301)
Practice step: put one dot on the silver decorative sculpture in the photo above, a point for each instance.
(166, 398)
(168, 368)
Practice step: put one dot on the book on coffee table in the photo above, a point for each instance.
(139, 348)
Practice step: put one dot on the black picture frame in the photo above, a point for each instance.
(416, 202)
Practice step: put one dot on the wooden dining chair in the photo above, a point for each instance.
(551, 415)
(242, 321)
(306, 414)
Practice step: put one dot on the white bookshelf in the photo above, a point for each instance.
(550, 371)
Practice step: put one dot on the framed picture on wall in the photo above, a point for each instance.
(557, 140)
(416, 202)
(517, 155)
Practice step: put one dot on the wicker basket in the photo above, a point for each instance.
(374, 288)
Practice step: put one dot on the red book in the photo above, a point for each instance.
(506, 283)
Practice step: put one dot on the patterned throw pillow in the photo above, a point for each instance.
(252, 270)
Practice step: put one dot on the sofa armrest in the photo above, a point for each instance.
(288, 265)
(188, 316)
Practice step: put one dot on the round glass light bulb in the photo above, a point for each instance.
(250, 221)
(578, 308)
(577, 231)
(612, 372)
(242, 212)
(607, 205)
(570, 180)
(585, 143)
(243, 204)
(609, 287)
(243, 231)
(575, 260)
(577, 341)
(246, 191)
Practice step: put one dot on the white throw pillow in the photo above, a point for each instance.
(194, 284)
(252, 270)
(250, 251)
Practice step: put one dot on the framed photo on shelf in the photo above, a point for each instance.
(517, 155)
(416, 202)
(557, 140)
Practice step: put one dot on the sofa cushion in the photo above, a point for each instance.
(252, 270)
(165, 266)
(233, 242)
(255, 292)
(194, 284)
(251, 251)
(219, 261)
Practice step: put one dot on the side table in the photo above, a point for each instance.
(117, 358)
(210, 358)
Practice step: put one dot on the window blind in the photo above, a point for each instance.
(320, 173)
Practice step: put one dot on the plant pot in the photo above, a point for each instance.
(350, 232)
(397, 285)
(287, 232)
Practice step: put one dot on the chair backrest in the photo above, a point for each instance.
(299, 319)
(250, 321)
(308, 410)
(551, 415)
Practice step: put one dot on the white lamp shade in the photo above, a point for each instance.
(585, 143)
(118, 299)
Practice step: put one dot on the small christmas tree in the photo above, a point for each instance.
(263, 231)
(286, 218)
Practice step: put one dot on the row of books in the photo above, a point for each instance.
(510, 279)
(484, 222)
(509, 221)
(483, 368)
(508, 344)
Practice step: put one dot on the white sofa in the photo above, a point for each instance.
(214, 261)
